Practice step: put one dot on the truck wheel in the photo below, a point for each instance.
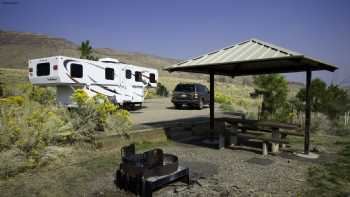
(177, 106)
(200, 104)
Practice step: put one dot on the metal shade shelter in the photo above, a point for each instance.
(254, 57)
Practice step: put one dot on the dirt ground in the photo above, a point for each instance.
(227, 172)
(237, 172)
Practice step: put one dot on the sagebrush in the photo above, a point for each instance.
(31, 122)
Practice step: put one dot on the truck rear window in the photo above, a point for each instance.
(43, 69)
(76, 70)
(185, 88)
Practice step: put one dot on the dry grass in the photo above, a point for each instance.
(13, 76)
(82, 172)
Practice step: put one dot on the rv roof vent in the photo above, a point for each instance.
(108, 60)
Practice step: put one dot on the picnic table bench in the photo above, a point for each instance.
(279, 131)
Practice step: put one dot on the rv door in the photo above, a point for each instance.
(127, 77)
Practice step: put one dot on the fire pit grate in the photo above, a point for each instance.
(142, 173)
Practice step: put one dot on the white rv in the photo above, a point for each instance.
(122, 83)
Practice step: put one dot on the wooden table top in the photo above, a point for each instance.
(261, 123)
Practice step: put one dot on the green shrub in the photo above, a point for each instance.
(227, 107)
(331, 100)
(97, 114)
(118, 123)
(150, 94)
(275, 87)
(222, 99)
(340, 128)
(27, 128)
(18, 100)
(29, 125)
(80, 97)
(84, 120)
(104, 107)
(162, 90)
(91, 113)
(58, 127)
(229, 104)
(42, 95)
(284, 114)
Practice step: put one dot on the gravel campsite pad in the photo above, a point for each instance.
(229, 172)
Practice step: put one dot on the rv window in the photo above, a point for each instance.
(76, 70)
(43, 69)
(152, 78)
(138, 76)
(109, 73)
(128, 74)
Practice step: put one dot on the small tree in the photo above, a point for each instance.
(276, 87)
(162, 90)
(336, 101)
(331, 100)
(317, 94)
(86, 51)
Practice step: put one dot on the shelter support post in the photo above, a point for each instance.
(307, 113)
(212, 93)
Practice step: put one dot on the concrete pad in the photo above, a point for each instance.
(307, 156)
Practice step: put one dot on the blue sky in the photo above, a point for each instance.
(183, 29)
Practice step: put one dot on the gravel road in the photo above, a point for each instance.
(161, 111)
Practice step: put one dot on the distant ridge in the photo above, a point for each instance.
(17, 47)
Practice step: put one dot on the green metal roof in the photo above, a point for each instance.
(249, 58)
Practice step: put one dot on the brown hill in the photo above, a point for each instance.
(16, 48)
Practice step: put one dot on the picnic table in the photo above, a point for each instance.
(278, 130)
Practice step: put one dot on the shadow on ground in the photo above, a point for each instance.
(173, 123)
(186, 108)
